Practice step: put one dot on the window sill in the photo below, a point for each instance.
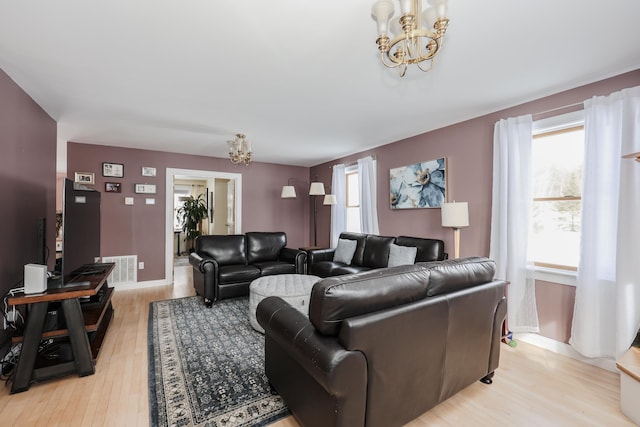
(555, 275)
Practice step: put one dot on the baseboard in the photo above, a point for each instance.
(140, 285)
(565, 350)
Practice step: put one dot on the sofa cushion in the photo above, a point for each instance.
(226, 250)
(344, 251)
(264, 246)
(337, 298)
(376, 251)
(401, 255)
(361, 239)
(269, 268)
(457, 274)
(238, 273)
(330, 268)
(428, 249)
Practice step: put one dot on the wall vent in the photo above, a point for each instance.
(125, 271)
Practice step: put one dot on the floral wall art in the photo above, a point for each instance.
(421, 185)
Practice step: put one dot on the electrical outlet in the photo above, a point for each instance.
(141, 266)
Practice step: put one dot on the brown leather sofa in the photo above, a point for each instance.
(372, 251)
(224, 266)
(382, 347)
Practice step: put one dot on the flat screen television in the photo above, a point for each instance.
(80, 230)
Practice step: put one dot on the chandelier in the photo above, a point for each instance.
(406, 40)
(240, 150)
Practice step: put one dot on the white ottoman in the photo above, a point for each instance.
(293, 288)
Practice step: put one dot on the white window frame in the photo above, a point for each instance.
(350, 170)
(551, 124)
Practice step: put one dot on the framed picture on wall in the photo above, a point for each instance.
(115, 170)
(421, 185)
(112, 187)
(85, 178)
(148, 171)
(145, 188)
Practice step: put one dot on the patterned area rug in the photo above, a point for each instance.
(206, 366)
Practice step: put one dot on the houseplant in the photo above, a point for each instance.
(191, 214)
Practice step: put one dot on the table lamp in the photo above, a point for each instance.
(456, 216)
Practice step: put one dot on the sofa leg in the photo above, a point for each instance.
(487, 379)
(272, 389)
(208, 303)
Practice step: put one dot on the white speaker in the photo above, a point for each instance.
(35, 278)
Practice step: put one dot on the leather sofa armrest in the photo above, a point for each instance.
(323, 358)
(200, 263)
(317, 255)
(294, 256)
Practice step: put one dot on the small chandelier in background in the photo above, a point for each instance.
(240, 150)
(406, 40)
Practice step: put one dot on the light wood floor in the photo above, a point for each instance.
(532, 387)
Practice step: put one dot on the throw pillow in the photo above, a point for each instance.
(344, 251)
(401, 255)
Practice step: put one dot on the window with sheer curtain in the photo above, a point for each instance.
(557, 164)
(353, 200)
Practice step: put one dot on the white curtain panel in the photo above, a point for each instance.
(510, 215)
(368, 199)
(607, 308)
(339, 210)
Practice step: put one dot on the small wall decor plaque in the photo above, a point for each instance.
(146, 188)
(112, 187)
(115, 170)
(85, 178)
(148, 171)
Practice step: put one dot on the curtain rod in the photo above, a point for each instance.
(564, 107)
(353, 162)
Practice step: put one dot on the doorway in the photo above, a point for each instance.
(222, 192)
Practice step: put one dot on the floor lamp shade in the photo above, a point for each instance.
(316, 189)
(330, 199)
(288, 192)
(456, 216)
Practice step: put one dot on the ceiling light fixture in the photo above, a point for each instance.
(407, 41)
(240, 150)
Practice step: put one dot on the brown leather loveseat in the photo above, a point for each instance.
(382, 347)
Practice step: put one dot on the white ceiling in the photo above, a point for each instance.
(301, 79)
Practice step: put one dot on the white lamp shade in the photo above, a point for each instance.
(455, 215)
(381, 12)
(429, 17)
(316, 189)
(406, 6)
(440, 7)
(330, 199)
(288, 192)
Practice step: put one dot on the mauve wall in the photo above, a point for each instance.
(140, 229)
(468, 147)
(27, 181)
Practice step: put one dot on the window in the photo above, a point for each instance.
(557, 160)
(353, 200)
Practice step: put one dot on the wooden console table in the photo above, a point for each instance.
(86, 325)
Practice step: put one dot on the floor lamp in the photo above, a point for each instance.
(315, 189)
(456, 216)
